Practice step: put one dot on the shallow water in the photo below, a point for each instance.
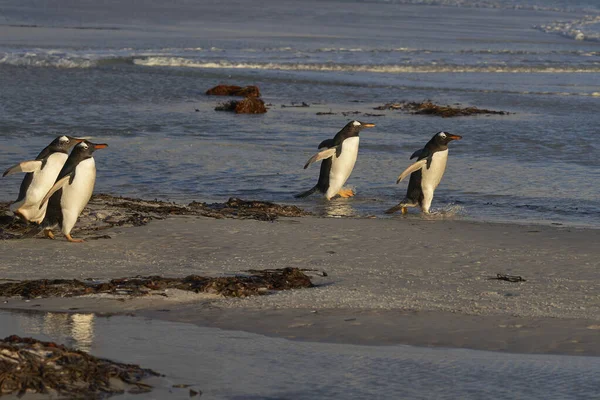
(135, 78)
(239, 365)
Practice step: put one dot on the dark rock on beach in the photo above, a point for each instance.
(30, 366)
(232, 90)
(257, 282)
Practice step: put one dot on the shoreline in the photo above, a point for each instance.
(390, 281)
(363, 327)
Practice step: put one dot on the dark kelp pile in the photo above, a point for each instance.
(32, 366)
(106, 211)
(250, 105)
(259, 282)
(427, 107)
(232, 90)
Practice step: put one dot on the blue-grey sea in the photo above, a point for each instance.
(133, 74)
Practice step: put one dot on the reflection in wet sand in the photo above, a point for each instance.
(339, 208)
(76, 330)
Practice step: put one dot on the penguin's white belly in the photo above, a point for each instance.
(342, 166)
(432, 176)
(76, 195)
(42, 182)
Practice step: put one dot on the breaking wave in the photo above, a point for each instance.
(59, 60)
(327, 67)
(587, 28)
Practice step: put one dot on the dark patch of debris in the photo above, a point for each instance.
(427, 107)
(259, 282)
(250, 105)
(298, 105)
(105, 211)
(509, 278)
(348, 113)
(232, 90)
(29, 366)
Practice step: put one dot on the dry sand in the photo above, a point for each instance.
(398, 280)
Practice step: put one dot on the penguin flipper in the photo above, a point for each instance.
(307, 193)
(25, 166)
(417, 154)
(327, 143)
(414, 167)
(57, 186)
(321, 155)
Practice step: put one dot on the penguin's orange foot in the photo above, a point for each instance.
(72, 240)
(345, 193)
(48, 233)
(404, 210)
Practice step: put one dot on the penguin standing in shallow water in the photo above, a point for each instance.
(426, 173)
(72, 190)
(40, 175)
(338, 158)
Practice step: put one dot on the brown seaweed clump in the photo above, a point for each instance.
(250, 105)
(29, 366)
(259, 282)
(232, 90)
(105, 211)
(427, 107)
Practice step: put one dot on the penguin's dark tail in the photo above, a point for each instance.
(307, 193)
(403, 204)
(33, 231)
(394, 209)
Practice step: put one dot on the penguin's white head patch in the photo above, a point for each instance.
(356, 123)
(442, 135)
(83, 145)
(63, 139)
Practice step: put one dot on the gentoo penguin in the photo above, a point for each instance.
(40, 175)
(426, 173)
(72, 190)
(338, 158)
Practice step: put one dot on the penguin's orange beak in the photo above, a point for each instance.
(100, 146)
(454, 137)
(367, 125)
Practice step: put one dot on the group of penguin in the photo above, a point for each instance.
(340, 153)
(58, 185)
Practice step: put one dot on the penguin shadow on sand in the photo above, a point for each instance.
(338, 158)
(425, 175)
(56, 187)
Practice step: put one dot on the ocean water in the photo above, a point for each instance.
(239, 365)
(134, 76)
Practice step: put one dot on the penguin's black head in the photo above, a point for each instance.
(353, 128)
(443, 138)
(86, 148)
(63, 144)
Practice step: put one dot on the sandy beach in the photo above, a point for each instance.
(417, 281)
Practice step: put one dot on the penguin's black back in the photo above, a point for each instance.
(414, 192)
(54, 211)
(323, 183)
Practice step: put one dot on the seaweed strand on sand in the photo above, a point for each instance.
(258, 282)
(105, 211)
(31, 366)
(427, 107)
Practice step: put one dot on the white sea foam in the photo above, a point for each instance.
(429, 68)
(587, 28)
(46, 60)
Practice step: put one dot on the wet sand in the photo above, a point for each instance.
(389, 281)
